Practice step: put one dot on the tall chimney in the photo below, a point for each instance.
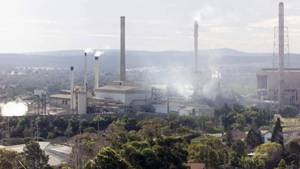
(97, 65)
(72, 88)
(196, 45)
(85, 71)
(281, 53)
(122, 51)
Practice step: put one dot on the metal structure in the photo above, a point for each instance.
(40, 102)
(196, 27)
(97, 65)
(122, 51)
(196, 68)
(72, 89)
(85, 70)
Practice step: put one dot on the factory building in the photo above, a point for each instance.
(268, 87)
(114, 97)
(279, 86)
(60, 100)
(123, 91)
(64, 100)
(129, 95)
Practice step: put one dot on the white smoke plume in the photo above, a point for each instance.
(99, 53)
(88, 50)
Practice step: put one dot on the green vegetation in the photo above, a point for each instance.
(160, 141)
(290, 111)
(35, 158)
(210, 151)
(269, 153)
(19, 130)
(277, 135)
(9, 159)
(107, 159)
(254, 138)
(32, 157)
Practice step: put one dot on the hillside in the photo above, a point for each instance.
(110, 59)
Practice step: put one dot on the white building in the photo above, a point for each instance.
(60, 100)
(63, 100)
(127, 94)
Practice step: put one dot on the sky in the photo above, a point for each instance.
(152, 25)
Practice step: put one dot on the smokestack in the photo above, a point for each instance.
(281, 53)
(85, 71)
(97, 65)
(122, 51)
(72, 88)
(196, 45)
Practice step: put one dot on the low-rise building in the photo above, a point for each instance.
(268, 85)
(128, 94)
(60, 100)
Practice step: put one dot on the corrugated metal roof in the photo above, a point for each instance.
(61, 96)
(119, 88)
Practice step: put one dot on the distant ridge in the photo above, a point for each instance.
(135, 58)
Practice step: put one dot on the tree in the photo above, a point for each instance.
(171, 151)
(282, 164)
(131, 124)
(116, 134)
(290, 111)
(83, 124)
(293, 152)
(270, 153)
(210, 151)
(239, 150)
(151, 128)
(252, 163)
(85, 147)
(10, 159)
(140, 155)
(277, 135)
(254, 138)
(239, 147)
(35, 158)
(108, 159)
(73, 127)
(43, 125)
(162, 153)
(60, 125)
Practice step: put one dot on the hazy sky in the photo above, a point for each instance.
(37, 25)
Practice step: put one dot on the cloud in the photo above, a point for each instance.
(152, 22)
(40, 21)
(290, 21)
(100, 35)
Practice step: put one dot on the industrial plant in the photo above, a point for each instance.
(197, 89)
(164, 85)
(123, 95)
(115, 97)
(280, 85)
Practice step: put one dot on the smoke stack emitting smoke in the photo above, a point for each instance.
(72, 87)
(86, 52)
(97, 68)
(98, 53)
